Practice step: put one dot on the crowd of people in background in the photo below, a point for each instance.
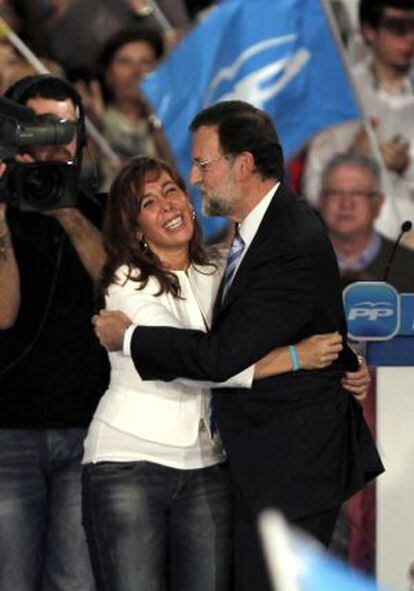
(383, 81)
(103, 49)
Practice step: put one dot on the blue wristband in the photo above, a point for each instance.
(294, 357)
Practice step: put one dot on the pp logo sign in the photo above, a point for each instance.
(372, 310)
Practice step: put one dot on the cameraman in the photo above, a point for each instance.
(52, 370)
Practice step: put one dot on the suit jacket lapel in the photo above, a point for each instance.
(267, 228)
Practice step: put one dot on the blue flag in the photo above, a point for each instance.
(279, 55)
(295, 561)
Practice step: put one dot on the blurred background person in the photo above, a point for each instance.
(115, 103)
(9, 63)
(350, 202)
(73, 32)
(386, 91)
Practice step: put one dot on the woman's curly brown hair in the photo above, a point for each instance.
(121, 227)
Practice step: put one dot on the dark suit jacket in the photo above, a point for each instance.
(296, 440)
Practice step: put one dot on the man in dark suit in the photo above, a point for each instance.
(296, 441)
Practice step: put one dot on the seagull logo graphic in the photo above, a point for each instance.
(265, 76)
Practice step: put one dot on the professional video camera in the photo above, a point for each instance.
(39, 185)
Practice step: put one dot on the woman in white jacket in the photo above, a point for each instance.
(157, 496)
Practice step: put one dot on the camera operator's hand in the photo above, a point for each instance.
(25, 158)
(85, 237)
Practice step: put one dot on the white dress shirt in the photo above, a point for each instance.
(249, 226)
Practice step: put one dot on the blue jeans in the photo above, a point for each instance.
(42, 541)
(152, 528)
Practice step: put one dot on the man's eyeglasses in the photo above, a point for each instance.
(205, 165)
(337, 194)
(397, 26)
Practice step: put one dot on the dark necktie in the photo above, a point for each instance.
(233, 258)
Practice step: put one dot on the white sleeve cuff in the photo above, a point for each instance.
(126, 347)
(244, 379)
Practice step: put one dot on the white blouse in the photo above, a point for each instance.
(163, 422)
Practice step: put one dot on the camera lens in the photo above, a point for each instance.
(37, 186)
(42, 186)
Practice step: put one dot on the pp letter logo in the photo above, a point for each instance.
(372, 310)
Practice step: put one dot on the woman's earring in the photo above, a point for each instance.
(143, 244)
(193, 214)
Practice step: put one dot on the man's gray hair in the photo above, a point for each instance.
(353, 160)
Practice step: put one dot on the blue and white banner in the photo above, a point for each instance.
(279, 55)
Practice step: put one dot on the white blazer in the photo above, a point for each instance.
(162, 412)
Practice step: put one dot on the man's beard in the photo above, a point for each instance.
(214, 207)
(219, 203)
